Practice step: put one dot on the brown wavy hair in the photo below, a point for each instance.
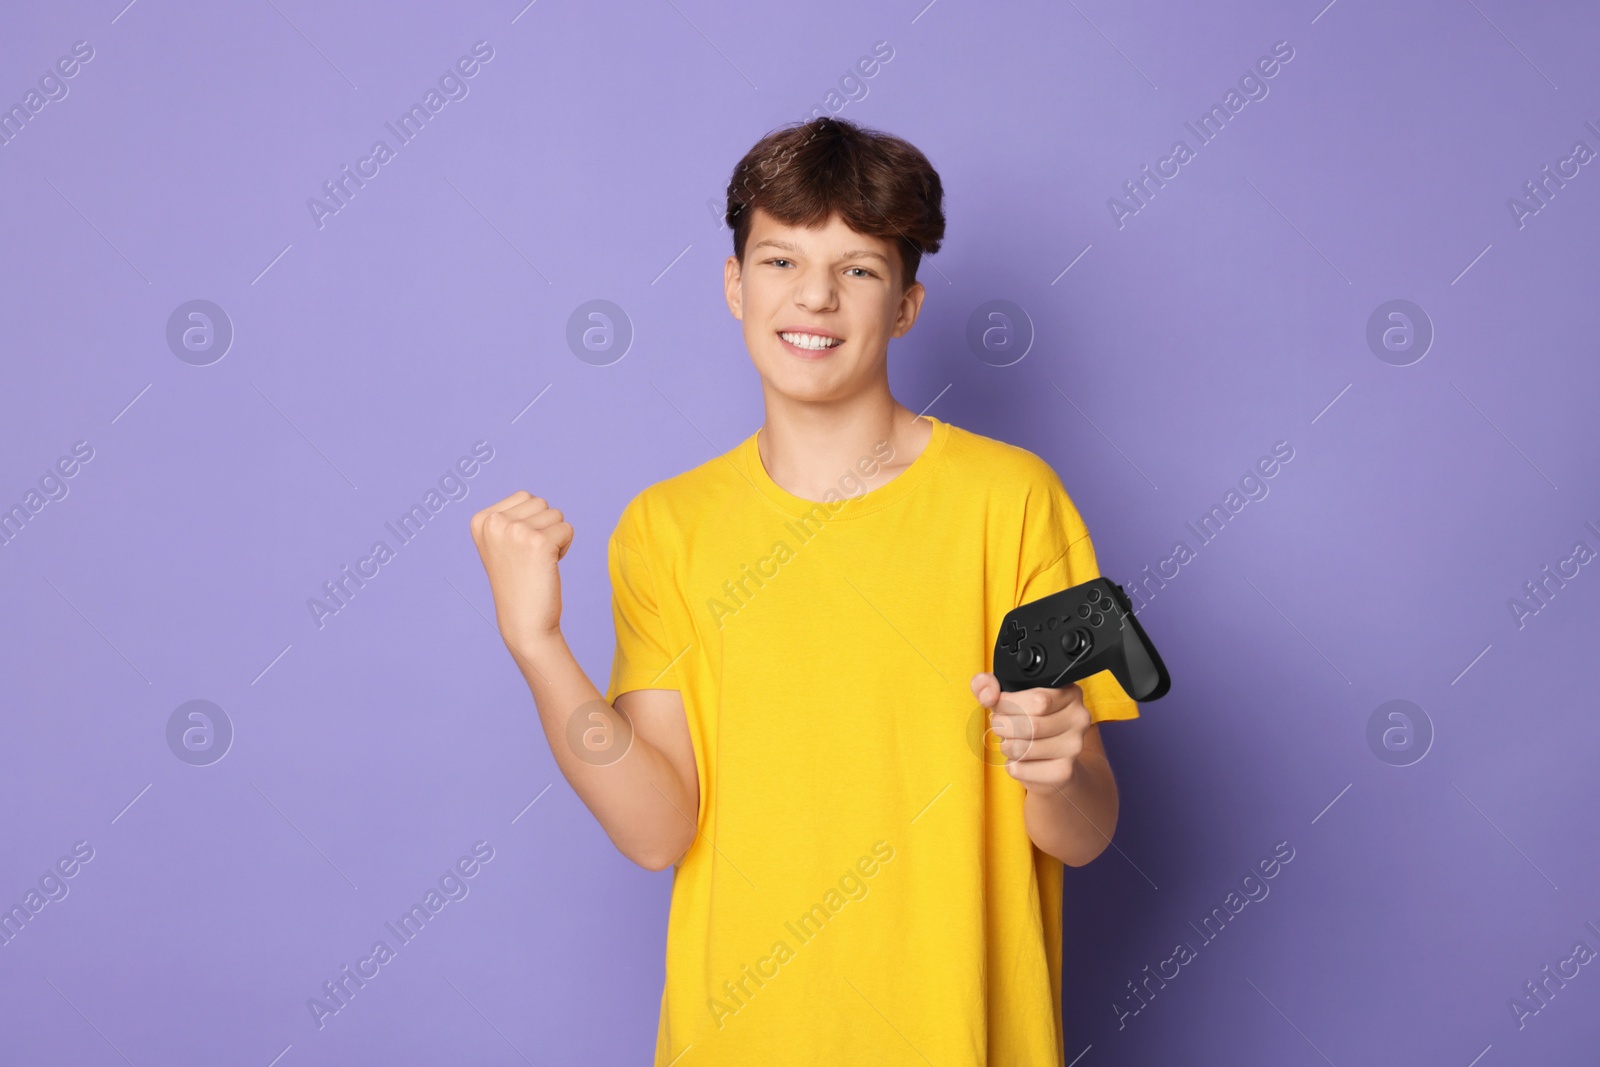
(804, 173)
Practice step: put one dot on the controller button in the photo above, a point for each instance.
(1083, 611)
(1095, 595)
(1096, 619)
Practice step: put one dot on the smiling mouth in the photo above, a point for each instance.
(810, 342)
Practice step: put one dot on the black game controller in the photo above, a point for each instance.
(1070, 635)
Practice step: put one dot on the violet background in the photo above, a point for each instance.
(1228, 314)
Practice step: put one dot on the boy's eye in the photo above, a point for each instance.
(863, 270)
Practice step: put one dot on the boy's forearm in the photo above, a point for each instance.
(639, 799)
(1075, 822)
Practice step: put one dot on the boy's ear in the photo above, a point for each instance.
(731, 278)
(910, 307)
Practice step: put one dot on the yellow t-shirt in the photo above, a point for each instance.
(862, 888)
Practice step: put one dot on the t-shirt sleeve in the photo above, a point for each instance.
(642, 659)
(1057, 554)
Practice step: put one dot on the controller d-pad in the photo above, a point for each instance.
(1013, 635)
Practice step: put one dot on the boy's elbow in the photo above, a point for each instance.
(658, 857)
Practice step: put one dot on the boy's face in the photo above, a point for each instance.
(829, 280)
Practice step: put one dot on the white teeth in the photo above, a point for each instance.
(809, 340)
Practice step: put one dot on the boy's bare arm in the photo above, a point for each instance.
(635, 771)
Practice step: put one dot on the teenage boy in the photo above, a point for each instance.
(803, 623)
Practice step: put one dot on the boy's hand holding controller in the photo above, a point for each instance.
(1042, 731)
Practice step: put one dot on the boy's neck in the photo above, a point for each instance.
(807, 448)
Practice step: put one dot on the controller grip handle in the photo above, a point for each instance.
(1141, 673)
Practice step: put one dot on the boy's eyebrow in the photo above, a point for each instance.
(790, 246)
